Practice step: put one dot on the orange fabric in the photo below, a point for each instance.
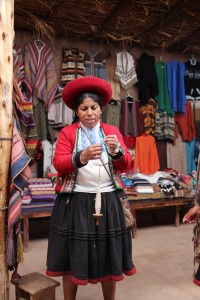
(146, 155)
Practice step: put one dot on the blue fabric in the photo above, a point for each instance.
(191, 165)
(176, 85)
(99, 70)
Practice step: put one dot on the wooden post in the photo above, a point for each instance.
(6, 126)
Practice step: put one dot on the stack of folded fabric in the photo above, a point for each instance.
(142, 186)
(127, 182)
(26, 197)
(41, 189)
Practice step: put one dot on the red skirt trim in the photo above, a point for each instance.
(89, 280)
(196, 281)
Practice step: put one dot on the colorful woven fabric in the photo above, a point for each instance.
(28, 127)
(40, 206)
(40, 73)
(44, 198)
(72, 65)
(20, 174)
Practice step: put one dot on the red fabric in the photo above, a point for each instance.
(62, 159)
(185, 123)
(91, 280)
(86, 84)
(129, 141)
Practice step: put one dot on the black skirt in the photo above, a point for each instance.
(77, 246)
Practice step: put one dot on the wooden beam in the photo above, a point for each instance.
(54, 10)
(167, 17)
(109, 19)
(6, 125)
(185, 40)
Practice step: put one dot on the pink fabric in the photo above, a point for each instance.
(20, 174)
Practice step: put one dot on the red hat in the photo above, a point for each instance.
(86, 84)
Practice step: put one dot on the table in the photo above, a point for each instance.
(139, 203)
(135, 203)
(25, 216)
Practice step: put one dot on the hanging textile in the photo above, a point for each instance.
(185, 123)
(59, 114)
(18, 65)
(115, 84)
(165, 127)
(147, 78)
(191, 165)
(192, 79)
(20, 174)
(95, 64)
(162, 98)
(176, 87)
(174, 159)
(125, 69)
(25, 119)
(146, 155)
(40, 74)
(149, 114)
(72, 65)
(131, 119)
(111, 113)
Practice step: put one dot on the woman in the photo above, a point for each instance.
(88, 240)
(191, 217)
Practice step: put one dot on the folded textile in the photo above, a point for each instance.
(44, 198)
(40, 192)
(26, 199)
(146, 191)
(141, 190)
(38, 206)
(144, 187)
(40, 186)
(39, 181)
(141, 181)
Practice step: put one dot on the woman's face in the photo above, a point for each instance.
(89, 112)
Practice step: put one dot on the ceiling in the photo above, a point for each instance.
(172, 25)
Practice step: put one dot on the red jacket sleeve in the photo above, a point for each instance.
(62, 159)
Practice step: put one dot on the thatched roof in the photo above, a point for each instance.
(166, 24)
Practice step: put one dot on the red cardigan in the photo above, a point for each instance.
(62, 159)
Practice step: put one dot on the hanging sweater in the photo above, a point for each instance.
(125, 69)
(146, 155)
(175, 81)
(131, 119)
(72, 65)
(162, 98)
(40, 73)
(147, 78)
(192, 79)
(186, 124)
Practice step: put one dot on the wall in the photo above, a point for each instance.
(23, 37)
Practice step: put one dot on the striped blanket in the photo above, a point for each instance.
(20, 174)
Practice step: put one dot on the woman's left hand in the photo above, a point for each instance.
(192, 215)
(111, 142)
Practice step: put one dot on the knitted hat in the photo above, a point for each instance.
(85, 85)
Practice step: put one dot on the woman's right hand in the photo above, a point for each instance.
(93, 151)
